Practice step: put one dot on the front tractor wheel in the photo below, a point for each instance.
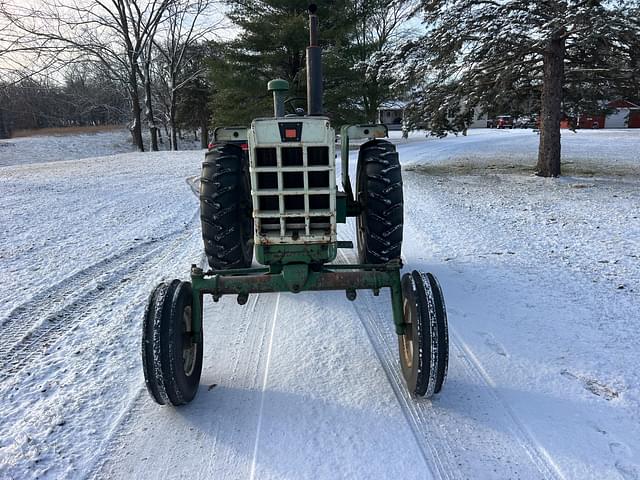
(226, 208)
(171, 353)
(424, 347)
(379, 193)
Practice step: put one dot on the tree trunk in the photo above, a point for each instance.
(167, 133)
(173, 111)
(549, 148)
(148, 107)
(204, 134)
(5, 131)
(174, 129)
(136, 111)
(136, 128)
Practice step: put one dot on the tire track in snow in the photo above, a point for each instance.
(433, 441)
(437, 450)
(543, 461)
(535, 451)
(265, 379)
(32, 327)
(250, 370)
(84, 277)
(244, 364)
(436, 453)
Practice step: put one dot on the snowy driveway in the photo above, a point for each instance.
(541, 279)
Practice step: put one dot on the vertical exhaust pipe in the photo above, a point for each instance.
(314, 65)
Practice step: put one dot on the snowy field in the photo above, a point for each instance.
(541, 279)
(53, 148)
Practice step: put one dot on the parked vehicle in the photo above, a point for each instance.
(525, 122)
(504, 121)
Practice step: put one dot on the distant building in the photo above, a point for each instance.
(625, 114)
(479, 119)
(391, 113)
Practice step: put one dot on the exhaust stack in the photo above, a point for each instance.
(314, 65)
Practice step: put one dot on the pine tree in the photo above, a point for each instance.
(272, 43)
(502, 55)
(193, 106)
(356, 37)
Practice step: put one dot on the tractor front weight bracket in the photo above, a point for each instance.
(296, 278)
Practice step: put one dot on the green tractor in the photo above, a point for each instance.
(270, 192)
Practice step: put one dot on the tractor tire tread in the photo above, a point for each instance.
(149, 360)
(379, 191)
(225, 203)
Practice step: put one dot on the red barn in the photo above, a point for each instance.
(625, 114)
(590, 121)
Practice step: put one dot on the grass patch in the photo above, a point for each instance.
(470, 168)
(573, 168)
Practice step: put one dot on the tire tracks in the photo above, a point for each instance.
(242, 373)
(433, 441)
(533, 448)
(265, 379)
(437, 450)
(30, 328)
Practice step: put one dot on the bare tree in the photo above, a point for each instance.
(182, 30)
(379, 27)
(115, 32)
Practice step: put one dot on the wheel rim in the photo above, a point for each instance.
(189, 347)
(406, 340)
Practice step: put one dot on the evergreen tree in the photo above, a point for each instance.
(193, 106)
(272, 43)
(505, 55)
(356, 37)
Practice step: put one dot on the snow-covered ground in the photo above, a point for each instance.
(53, 148)
(541, 279)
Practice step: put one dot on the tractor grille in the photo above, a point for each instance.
(293, 189)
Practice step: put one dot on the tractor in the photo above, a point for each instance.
(269, 194)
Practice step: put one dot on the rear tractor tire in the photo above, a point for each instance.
(171, 355)
(424, 347)
(379, 193)
(226, 208)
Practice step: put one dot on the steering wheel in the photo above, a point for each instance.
(293, 105)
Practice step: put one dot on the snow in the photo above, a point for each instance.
(82, 245)
(51, 148)
(542, 284)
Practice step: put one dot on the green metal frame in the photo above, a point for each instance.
(300, 268)
(296, 278)
(308, 253)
